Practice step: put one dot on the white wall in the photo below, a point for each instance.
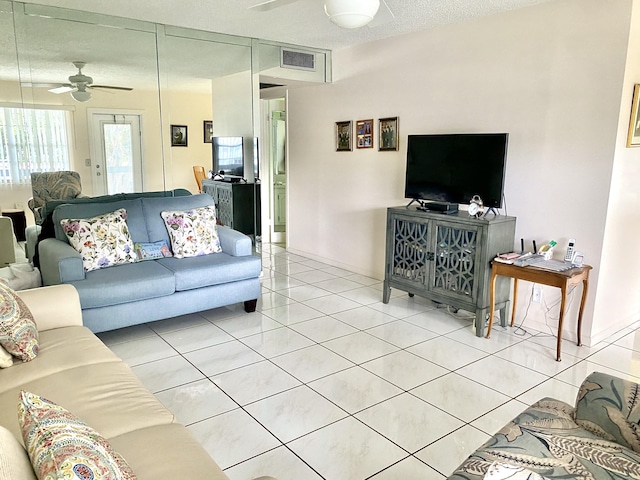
(616, 302)
(550, 75)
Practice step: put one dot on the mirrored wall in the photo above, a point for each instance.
(172, 88)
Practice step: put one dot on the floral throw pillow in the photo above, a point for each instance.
(192, 232)
(102, 241)
(60, 445)
(18, 330)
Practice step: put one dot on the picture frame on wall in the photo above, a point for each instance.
(343, 136)
(388, 136)
(633, 137)
(178, 135)
(208, 131)
(364, 133)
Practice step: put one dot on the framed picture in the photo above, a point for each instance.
(388, 134)
(343, 136)
(178, 135)
(633, 138)
(208, 131)
(364, 133)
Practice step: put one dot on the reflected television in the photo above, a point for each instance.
(228, 156)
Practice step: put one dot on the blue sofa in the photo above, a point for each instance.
(150, 290)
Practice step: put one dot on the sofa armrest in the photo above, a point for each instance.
(59, 262)
(609, 407)
(234, 243)
(53, 307)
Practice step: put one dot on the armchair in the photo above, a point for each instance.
(47, 186)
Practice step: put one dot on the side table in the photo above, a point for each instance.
(19, 220)
(562, 280)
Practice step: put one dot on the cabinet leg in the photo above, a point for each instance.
(503, 315)
(481, 316)
(386, 292)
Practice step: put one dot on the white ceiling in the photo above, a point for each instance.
(300, 22)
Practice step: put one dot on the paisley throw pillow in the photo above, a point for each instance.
(18, 330)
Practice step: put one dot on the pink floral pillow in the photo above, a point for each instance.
(18, 330)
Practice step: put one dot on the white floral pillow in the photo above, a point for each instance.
(192, 232)
(102, 241)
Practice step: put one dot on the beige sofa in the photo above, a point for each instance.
(77, 371)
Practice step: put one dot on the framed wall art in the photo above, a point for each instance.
(388, 134)
(364, 133)
(178, 135)
(208, 131)
(633, 137)
(343, 136)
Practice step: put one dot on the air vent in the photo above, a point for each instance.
(298, 60)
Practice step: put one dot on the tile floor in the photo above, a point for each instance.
(325, 381)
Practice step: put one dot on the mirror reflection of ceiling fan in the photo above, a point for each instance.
(344, 13)
(79, 86)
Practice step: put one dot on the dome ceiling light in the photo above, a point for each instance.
(351, 13)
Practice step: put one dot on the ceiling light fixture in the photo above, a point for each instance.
(81, 95)
(351, 13)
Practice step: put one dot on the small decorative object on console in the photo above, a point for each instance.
(476, 207)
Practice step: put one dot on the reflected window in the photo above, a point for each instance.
(32, 140)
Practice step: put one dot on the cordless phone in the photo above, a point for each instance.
(570, 249)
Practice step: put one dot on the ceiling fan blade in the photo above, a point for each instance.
(41, 85)
(111, 87)
(384, 15)
(270, 5)
(62, 89)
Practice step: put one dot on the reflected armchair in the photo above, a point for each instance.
(200, 174)
(47, 186)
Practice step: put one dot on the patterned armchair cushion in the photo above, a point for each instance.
(609, 407)
(546, 440)
(47, 186)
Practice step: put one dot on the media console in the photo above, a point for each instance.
(447, 258)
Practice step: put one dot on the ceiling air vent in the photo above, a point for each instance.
(299, 60)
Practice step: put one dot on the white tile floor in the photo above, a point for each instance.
(325, 381)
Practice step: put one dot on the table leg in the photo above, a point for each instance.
(515, 300)
(561, 319)
(585, 288)
(492, 300)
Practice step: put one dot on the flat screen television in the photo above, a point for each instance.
(452, 168)
(228, 156)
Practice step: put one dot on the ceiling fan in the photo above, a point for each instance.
(79, 86)
(344, 13)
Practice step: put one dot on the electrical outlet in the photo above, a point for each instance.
(537, 293)
(87, 162)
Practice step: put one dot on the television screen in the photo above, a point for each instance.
(452, 168)
(228, 156)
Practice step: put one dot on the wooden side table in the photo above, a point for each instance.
(562, 280)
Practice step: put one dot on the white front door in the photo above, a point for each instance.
(116, 152)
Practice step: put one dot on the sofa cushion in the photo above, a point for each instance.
(135, 219)
(192, 232)
(61, 445)
(107, 396)
(14, 461)
(60, 349)
(209, 270)
(102, 241)
(18, 331)
(6, 359)
(124, 284)
(152, 207)
(182, 456)
(610, 408)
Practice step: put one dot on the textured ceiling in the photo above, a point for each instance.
(300, 22)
